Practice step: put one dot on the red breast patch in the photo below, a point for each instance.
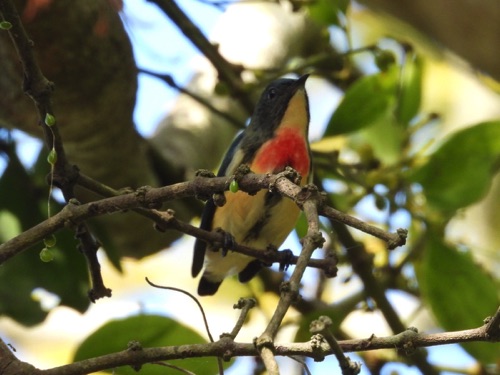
(287, 148)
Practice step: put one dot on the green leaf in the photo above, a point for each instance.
(50, 241)
(301, 226)
(23, 204)
(148, 331)
(50, 120)
(46, 255)
(384, 59)
(410, 89)
(52, 157)
(365, 102)
(326, 12)
(386, 138)
(460, 171)
(458, 291)
(5, 25)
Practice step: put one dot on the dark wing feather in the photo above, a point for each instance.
(228, 158)
(207, 216)
(200, 245)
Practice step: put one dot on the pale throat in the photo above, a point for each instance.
(296, 116)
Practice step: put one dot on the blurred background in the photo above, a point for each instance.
(404, 133)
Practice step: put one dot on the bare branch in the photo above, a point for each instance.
(10, 365)
(166, 220)
(64, 175)
(227, 72)
(205, 321)
(493, 324)
(290, 289)
(244, 304)
(322, 326)
(169, 80)
(393, 239)
(362, 264)
(146, 199)
(406, 342)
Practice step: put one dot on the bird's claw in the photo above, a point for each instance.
(287, 260)
(228, 241)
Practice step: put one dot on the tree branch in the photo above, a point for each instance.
(145, 198)
(493, 324)
(169, 80)
(166, 220)
(362, 265)
(393, 240)
(322, 326)
(406, 342)
(227, 72)
(309, 199)
(64, 175)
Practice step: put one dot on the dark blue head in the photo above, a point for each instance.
(274, 107)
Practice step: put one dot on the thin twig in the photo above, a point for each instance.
(322, 326)
(169, 80)
(362, 265)
(64, 175)
(393, 240)
(142, 198)
(204, 316)
(227, 72)
(167, 220)
(290, 289)
(406, 342)
(244, 304)
(493, 324)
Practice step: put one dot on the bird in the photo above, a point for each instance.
(275, 138)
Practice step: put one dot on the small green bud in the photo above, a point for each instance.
(234, 186)
(52, 157)
(50, 120)
(5, 25)
(380, 202)
(384, 59)
(50, 241)
(46, 255)
(221, 89)
(294, 63)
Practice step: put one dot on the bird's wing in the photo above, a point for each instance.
(231, 161)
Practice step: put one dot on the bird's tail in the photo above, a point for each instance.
(208, 287)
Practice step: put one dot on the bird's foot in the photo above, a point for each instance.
(286, 260)
(228, 241)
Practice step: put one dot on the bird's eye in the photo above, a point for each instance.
(271, 94)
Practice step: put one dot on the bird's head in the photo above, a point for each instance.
(284, 103)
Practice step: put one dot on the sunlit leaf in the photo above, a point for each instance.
(365, 102)
(66, 276)
(147, 331)
(460, 171)
(410, 89)
(301, 226)
(459, 292)
(326, 12)
(385, 137)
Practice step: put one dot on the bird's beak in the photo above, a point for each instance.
(301, 82)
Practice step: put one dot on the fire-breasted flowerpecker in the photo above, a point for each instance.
(276, 137)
